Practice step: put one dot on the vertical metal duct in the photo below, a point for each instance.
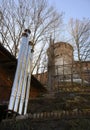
(20, 84)
(26, 82)
(28, 79)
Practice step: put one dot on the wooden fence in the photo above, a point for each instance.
(57, 115)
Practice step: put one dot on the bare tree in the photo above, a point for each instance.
(80, 33)
(36, 15)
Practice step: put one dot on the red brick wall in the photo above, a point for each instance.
(6, 85)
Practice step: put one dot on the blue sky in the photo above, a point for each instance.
(72, 8)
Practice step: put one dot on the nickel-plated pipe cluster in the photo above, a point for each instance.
(21, 85)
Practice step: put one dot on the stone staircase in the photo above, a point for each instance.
(53, 111)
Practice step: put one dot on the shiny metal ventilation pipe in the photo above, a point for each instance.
(21, 78)
(19, 75)
(28, 79)
(25, 84)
